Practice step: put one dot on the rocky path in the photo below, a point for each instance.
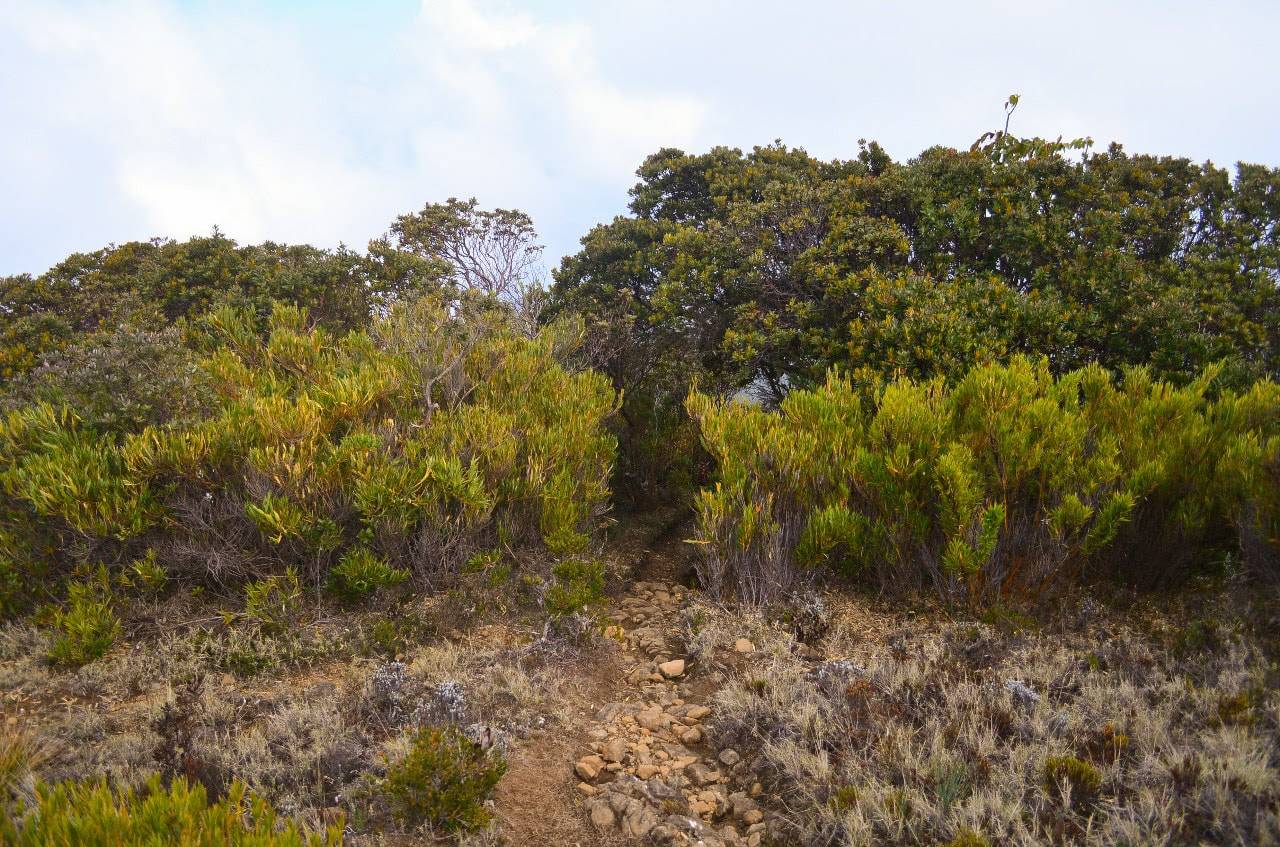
(648, 771)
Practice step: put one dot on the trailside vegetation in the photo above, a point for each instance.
(1012, 485)
(761, 270)
(354, 459)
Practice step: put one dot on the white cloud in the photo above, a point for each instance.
(491, 58)
(321, 122)
(243, 122)
(472, 29)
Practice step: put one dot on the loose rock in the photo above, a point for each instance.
(602, 815)
(589, 767)
(615, 749)
(672, 669)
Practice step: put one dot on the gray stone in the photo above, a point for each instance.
(601, 814)
(638, 819)
(701, 774)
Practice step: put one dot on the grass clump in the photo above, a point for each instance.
(443, 781)
(966, 837)
(1085, 780)
(907, 737)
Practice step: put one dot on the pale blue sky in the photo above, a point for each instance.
(319, 122)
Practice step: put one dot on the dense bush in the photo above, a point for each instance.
(360, 572)
(436, 433)
(73, 813)
(1013, 484)
(763, 269)
(149, 286)
(443, 781)
(118, 380)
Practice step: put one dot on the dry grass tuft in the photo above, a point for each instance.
(926, 731)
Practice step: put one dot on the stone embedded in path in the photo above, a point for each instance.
(638, 819)
(602, 814)
(615, 749)
(702, 774)
(642, 780)
(672, 669)
(589, 767)
(653, 718)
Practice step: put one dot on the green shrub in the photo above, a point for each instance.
(1009, 486)
(16, 584)
(73, 813)
(86, 628)
(119, 380)
(148, 574)
(394, 634)
(761, 269)
(489, 564)
(360, 572)
(62, 470)
(578, 583)
(443, 781)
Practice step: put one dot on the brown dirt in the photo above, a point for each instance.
(537, 803)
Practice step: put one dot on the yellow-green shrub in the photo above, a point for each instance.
(64, 471)
(1008, 485)
(271, 602)
(180, 814)
(578, 583)
(360, 572)
(420, 441)
(86, 628)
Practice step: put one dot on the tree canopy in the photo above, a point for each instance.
(768, 267)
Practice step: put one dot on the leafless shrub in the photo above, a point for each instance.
(490, 251)
(217, 542)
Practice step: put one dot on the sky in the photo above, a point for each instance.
(320, 121)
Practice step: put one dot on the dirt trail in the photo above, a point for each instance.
(537, 802)
(637, 768)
